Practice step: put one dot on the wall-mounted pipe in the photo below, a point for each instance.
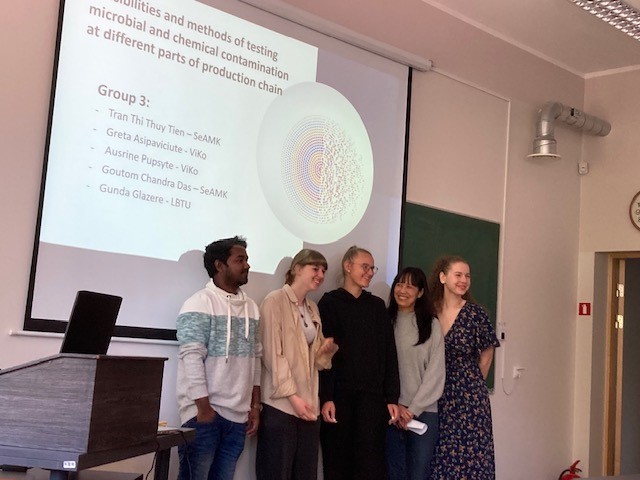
(544, 145)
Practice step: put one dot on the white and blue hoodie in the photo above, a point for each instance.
(219, 354)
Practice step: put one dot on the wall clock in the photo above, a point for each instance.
(634, 210)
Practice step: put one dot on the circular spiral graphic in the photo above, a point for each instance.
(320, 168)
(315, 162)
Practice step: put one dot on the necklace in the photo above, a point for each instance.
(301, 310)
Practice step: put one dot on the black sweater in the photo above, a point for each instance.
(366, 360)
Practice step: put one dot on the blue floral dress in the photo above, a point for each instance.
(465, 447)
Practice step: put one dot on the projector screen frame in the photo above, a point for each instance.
(32, 323)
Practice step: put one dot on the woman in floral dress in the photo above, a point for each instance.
(465, 447)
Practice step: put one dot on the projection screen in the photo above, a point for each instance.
(177, 122)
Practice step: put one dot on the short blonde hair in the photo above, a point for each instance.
(304, 257)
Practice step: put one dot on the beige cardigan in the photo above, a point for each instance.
(290, 365)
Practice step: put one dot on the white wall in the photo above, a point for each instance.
(474, 122)
(614, 169)
(605, 226)
(469, 156)
(534, 424)
(458, 150)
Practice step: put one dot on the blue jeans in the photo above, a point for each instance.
(409, 455)
(214, 452)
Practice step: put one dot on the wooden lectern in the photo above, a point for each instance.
(70, 412)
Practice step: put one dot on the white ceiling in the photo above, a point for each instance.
(555, 30)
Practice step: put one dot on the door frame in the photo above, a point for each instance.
(613, 362)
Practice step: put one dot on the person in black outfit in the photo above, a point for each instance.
(359, 394)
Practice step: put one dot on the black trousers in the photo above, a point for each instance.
(354, 448)
(287, 447)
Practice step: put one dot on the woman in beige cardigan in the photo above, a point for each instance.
(294, 350)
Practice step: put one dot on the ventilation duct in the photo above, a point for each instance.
(544, 145)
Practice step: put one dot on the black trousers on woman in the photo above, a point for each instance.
(287, 447)
(354, 447)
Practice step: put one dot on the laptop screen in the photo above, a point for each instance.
(91, 323)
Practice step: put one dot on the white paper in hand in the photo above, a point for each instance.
(417, 427)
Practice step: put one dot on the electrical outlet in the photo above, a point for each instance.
(583, 168)
(517, 372)
(501, 331)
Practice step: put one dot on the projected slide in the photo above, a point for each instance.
(158, 126)
(179, 122)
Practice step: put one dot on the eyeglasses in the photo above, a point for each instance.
(367, 268)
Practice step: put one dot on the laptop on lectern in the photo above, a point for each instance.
(91, 323)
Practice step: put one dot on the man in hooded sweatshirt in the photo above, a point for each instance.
(218, 365)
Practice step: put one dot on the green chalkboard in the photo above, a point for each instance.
(429, 233)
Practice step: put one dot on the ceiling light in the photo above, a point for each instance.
(616, 13)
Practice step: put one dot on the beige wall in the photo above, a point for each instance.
(468, 155)
(614, 169)
(613, 179)
(473, 125)
(473, 131)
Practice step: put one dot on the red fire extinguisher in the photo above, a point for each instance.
(571, 472)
